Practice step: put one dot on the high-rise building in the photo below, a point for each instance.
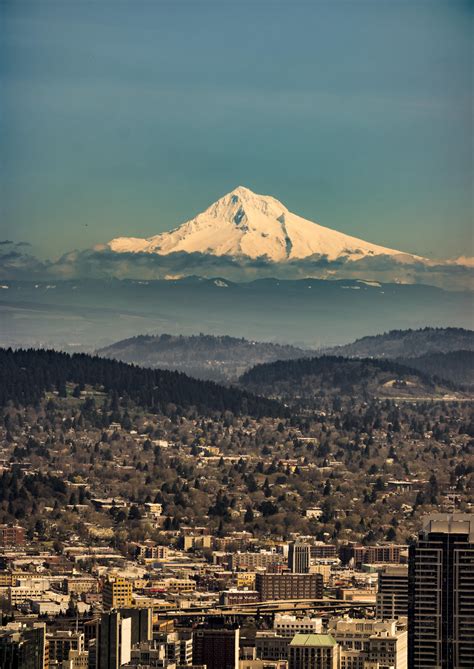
(216, 648)
(117, 593)
(299, 557)
(141, 624)
(313, 651)
(392, 593)
(441, 594)
(25, 648)
(113, 643)
(91, 630)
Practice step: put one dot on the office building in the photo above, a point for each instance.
(112, 647)
(362, 641)
(289, 586)
(117, 593)
(77, 660)
(179, 647)
(270, 645)
(299, 557)
(321, 550)
(25, 648)
(322, 567)
(141, 624)
(250, 561)
(359, 555)
(12, 535)
(392, 592)
(288, 625)
(62, 642)
(313, 651)
(148, 655)
(216, 648)
(441, 593)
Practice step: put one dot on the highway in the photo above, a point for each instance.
(256, 609)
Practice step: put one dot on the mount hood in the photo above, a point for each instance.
(243, 224)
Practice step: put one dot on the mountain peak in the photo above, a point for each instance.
(242, 191)
(244, 195)
(245, 224)
(242, 207)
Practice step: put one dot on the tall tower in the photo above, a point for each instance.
(299, 557)
(113, 644)
(392, 594)
(441, 594)
(26, 648)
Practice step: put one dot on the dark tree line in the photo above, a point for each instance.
(25, 375)
(455, 366)
(335, 370)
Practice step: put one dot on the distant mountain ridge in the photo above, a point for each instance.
(220, 358)
(408, 343)
(445, 353)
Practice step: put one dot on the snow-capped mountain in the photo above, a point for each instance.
(246, 225)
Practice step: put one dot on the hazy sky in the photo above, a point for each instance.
(127, 118)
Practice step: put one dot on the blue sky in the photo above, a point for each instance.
(127, 118)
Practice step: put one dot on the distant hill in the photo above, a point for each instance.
(26, 375)
(455, 366)
(85, 315)
(407, 343)
(307, 378)
(219, 358)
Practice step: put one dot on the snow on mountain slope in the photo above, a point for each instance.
(244, 224)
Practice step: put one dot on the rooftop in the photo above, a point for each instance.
(444, 523)
(313, 640)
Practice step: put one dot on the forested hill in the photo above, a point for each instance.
(218, 358)
(455, 366)
(26, 375)
(332, 375)
(408, 343)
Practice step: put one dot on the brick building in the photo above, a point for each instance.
(289, 586)
(12, 535)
